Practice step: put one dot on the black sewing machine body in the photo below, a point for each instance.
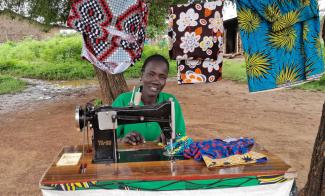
(105, 119)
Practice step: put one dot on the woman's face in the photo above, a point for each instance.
(154, 78)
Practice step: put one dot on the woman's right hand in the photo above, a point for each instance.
(133, 138)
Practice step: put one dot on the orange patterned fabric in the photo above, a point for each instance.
(198, 71)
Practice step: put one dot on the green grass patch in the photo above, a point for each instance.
(314, 85)
(9, 84)
(234, 69)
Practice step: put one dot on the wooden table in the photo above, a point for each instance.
(163, 175)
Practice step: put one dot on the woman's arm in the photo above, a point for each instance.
(179, 119)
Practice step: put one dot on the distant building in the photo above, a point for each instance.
(232, 43)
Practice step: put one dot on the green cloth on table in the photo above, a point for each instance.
(151, 130)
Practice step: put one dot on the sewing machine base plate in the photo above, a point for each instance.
(145, 155)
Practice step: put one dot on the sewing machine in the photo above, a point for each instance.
(105, 119)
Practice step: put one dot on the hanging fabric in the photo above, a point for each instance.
(199, 71)
(196, 38)
(196, 30)
(113, 31)
(281, 42)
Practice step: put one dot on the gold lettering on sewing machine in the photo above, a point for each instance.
(104, 142)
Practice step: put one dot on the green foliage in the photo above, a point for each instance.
(54, 59)
(58, 58)
(9, 84)
(52, 12)
(97, 102)
(234, 69)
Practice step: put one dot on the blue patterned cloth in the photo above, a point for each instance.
(218, 148)
(181, 143)
(281, 42)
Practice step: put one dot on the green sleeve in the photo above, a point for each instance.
(179, 119)
(121, 101)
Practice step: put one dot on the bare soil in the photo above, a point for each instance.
(285, 122)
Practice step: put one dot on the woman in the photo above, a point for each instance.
(154, 74)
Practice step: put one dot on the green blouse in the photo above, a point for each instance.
(151, 130)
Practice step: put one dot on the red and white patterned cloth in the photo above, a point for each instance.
(113, 31)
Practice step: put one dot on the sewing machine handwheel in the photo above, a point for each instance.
(79, 118)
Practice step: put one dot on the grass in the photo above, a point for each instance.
(314, 85)
(10, 84)
(234, 69)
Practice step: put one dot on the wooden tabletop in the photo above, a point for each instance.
(154, 170)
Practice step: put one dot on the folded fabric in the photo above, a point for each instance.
(218, 148)
(177, 148)
(241, 159)
(113, 31)
(196, 30)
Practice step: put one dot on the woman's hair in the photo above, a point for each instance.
(155, 57)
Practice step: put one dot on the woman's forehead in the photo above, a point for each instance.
(156, 65)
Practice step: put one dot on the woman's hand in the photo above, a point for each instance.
(133, 138)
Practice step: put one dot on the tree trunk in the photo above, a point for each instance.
(315, 185)
(110, 85)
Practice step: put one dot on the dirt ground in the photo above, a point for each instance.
(285, 122)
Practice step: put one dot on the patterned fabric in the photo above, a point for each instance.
(113, 31)
(196, 30)
(281, 42)
(218, 148)
(196, 38)
(73, 186)
(242, 159)
(168, 185)
(181, 143)
(198, 71)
